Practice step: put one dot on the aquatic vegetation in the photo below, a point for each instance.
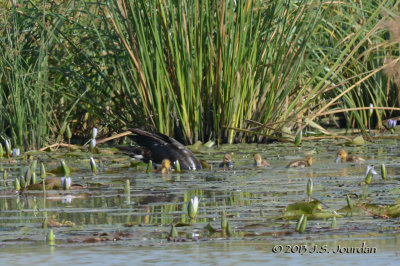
(299, 137)
(192, 207)
(224, 221)
(51, 238)
(383, 171)
(369, 174)
(93, 166)
(244, 203)
(214, 71)
(301, 224)
(392, 125)
(309, 189)
(65, 168)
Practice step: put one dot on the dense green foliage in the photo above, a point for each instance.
(192, 69)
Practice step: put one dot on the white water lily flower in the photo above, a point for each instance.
(193, 207)
(370, 168)
(8, 147)
(93, 143)
(66, 183)
(94, 133)
(15, 152)
(371, 110)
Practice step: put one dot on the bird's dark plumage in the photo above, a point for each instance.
(158, 147)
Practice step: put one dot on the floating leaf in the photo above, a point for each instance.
(358, 141)
(209, 144)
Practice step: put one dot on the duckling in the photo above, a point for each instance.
(259, 161)
(157, 147)
(301, 163)
(165, 167)
(343, 156)
(227, 162)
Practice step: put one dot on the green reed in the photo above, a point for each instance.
(195, 70)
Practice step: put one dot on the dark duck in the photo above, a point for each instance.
(157, 147)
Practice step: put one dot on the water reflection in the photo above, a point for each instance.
(252, 199)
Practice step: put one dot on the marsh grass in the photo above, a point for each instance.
(195, 70)
(202, 70)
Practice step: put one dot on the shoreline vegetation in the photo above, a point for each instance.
(228, 71)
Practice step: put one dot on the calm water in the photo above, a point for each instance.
(108, 226)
